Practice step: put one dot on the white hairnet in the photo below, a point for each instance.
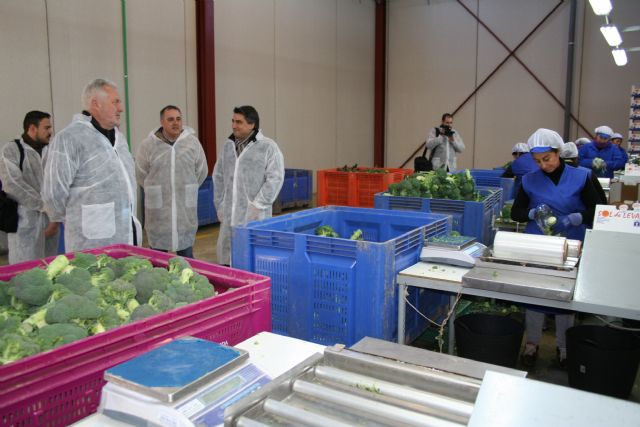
(616, 135)
(605, 130)
(582, 141)
(543, 140)
(520, 147)
(569, 151)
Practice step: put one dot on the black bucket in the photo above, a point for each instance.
(489, 338)
(602, 359)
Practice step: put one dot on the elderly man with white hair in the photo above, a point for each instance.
(569, 194)
(600, 155)
(89, 180)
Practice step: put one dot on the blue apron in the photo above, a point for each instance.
(563, 198)
(610, 154)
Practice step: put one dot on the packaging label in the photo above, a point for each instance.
(612, 219)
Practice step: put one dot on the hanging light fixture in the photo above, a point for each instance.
(601, 7)
(611, 35)
(619, 56)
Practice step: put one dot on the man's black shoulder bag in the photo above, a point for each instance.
(8, 206)
(423, 163)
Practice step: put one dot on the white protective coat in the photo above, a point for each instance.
(28, 242)
(444, 151)
(170, 176)
(245, 187)
(90, 186)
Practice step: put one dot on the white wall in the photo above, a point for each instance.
(51, 49)
(308, 68)
(438, 54)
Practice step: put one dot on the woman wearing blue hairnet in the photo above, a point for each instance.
(570, 194)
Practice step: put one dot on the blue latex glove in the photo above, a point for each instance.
(532, 214)
(567, 221)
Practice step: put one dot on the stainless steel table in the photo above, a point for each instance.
(607, 282)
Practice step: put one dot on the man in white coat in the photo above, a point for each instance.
(89, 179)
(21, 169)
(170, 167)
(445, 143)
(247, 177)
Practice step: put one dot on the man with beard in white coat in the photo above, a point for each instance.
(21, 168)
(247, 177)
(89, 180)
(170, 167)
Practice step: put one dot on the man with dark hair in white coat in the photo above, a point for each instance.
(170, 167)
(21, 169)
(247, 177)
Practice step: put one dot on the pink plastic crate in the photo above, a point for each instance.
(61, 386)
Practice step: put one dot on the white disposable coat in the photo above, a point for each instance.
(444, 151)
(90, 186)
(23, 186)
(170, 176)
(245, 187)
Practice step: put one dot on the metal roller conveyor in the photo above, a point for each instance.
(349, 387)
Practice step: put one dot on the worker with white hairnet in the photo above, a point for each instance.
(582, 141)
(570, 156)
(616, 139)
(247, 177)
(601, 155)
(522, 164)
(569, 195)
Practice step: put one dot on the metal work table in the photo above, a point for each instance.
(606, 284)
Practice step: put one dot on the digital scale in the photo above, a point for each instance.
(460, 251)
(185, 383)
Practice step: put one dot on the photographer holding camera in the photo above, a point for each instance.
(444, 143)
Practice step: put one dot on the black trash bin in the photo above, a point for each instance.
(489, 338)
(602, 359)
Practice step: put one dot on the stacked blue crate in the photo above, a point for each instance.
(296, 190)
(206, 210)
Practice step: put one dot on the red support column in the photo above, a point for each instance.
(380, 83)
(206, 79)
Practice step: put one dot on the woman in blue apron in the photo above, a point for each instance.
(569, 192)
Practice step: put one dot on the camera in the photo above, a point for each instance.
(446, 130)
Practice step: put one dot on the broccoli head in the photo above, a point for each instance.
(146, 281)
(357, 235)
(142, 311)
(127, 267)
(177, 264)
(52, 336)
(77, 281)
(118, 292)
(84, 261)
(104, 275)
(161, 302)
(72, 309)
(326, 231)
(14, 347)
(109, 319)
(31, 287)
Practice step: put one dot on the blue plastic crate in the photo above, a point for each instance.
(468, 218)
(493, 178)
(296, 190)
(334, 290)
(206, 210)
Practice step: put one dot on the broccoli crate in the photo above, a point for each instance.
(296, 190)
(63, 385)
(334, 290)
(355, 188)
(469, 218)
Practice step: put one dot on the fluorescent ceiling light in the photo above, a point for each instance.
(620, 56)
(601, 7)
(611, 34)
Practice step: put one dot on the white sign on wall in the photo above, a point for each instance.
(611, 218)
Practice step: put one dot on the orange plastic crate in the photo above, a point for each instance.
(355, 188)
